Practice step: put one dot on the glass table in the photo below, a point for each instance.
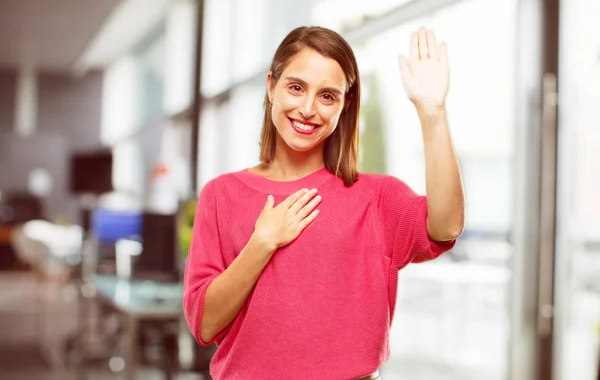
(136, 300)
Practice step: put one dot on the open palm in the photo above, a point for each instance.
(426, 74)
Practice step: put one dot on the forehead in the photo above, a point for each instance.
(316, 70)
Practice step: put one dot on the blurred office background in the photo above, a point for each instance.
(115, 113)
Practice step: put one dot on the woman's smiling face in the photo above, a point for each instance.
(308, 100)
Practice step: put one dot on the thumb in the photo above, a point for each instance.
(269, 203)
(404, 66)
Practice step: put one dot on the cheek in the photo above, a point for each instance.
(286, 102)
(332, 117)
(278, 116)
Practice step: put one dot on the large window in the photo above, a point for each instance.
(452, 313)
(147, 93)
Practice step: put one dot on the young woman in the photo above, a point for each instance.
(293, 265)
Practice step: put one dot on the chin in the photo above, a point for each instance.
(300, 146)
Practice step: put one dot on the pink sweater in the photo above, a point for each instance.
(324, 304)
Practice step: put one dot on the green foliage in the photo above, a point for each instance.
(372, 139)
(185, 223)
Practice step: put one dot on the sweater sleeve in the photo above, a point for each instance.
(404, 215)
(204, 263)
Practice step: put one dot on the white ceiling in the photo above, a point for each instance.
(49, 34)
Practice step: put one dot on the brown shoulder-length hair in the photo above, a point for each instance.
(341, 148)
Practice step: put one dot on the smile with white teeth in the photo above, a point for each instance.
(304, 127)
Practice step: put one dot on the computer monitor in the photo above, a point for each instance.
(91, 172)
(159, 258)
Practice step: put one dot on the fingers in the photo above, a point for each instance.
(289, 201)
(269, 203)
(444, 53)
(423, 45)
(302, 201)
(423, 51)
(304, 211)
(404, 66)
(308, 220)
(432, 45)
(414, 48)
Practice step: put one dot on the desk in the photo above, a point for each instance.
(138, 300)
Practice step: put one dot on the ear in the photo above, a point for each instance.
(270, 85)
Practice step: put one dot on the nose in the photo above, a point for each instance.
(307, 110)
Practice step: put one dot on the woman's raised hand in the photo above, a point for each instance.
(426, 73)
(277, 226)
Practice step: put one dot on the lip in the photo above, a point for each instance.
(303, 122)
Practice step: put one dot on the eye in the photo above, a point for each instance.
(328, 97)
(295, 88)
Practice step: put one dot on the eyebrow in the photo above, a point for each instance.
(303, 83)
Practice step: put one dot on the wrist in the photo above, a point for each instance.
(262, 244)
(430, 108)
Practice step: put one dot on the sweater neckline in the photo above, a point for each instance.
(258, 182)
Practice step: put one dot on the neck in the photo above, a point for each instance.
(290, 165)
